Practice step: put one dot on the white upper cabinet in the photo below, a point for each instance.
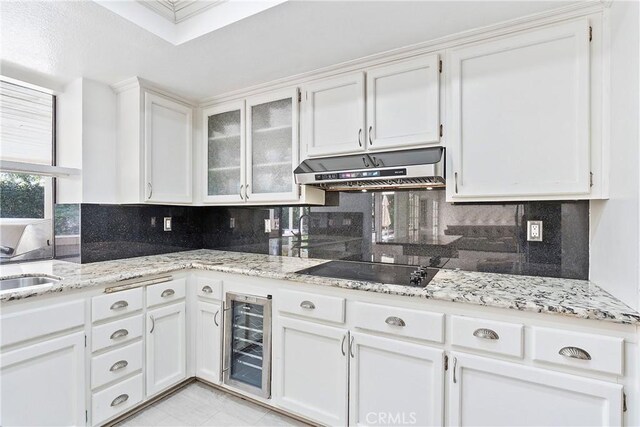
(167, 148)
(272, 147)
(403, 106)
(224, 153)
(154, 145)
(334, 115)
(518, 116)
(485, 392)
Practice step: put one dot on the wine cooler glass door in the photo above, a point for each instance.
(248, 343)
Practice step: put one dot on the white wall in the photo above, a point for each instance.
(86, 127)
(615, 223)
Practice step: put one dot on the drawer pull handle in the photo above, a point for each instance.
(119, 304)
(207, 289)
(119, 334)
(395, 321)
(120, 400)
(119, 365)
(308, 305)
(486, 334)
(574, 353)
(167, 293)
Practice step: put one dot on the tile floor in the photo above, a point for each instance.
(200, 405)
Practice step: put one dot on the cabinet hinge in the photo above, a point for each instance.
(590, 33)
(440, 66)
(446, 363)
(441, 131)
(590, 179)
(299, 96)
(624, 402)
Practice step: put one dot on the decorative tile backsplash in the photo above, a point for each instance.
(412, 227)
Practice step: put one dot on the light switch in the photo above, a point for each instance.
(267, 226)
(167, 223)
(232, 223)
(534, 231)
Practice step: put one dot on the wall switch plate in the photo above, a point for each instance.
(153, 221)
(232, 223)
(534, 231)
(167, 223)
(267, 226)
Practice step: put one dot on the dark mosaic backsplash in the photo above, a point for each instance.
(415, 227)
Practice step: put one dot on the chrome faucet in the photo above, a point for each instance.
(299, 233)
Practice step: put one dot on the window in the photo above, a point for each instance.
(27, 142)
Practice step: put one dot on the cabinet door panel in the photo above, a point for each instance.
(313, 369)
(519, 115)
(224, 153)
(167, 144)
(44, 384)
(272, 146)
(333, 118)
(403, 107)
(395, 383)
(494, 393)
(208, 336)
(166, 347)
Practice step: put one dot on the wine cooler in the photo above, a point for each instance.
(247, 343)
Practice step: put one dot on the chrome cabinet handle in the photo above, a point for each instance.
(246, 192)
(344, 337)
(455, 179)
(395, 321)
(215, 318)
(486, 334)
(207, 289)
(360, 137)
(370, 132)
(364, 160)
(241, 187)
(376, 163)
(119, 304)
(153, 324)
(119, 334)
(120, 400)
(121, 364)
(167, 293)
(150, 188)
(455, 365)
(351, 348)
(574, 353)
(308, 305)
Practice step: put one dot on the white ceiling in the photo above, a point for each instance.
(54, 42)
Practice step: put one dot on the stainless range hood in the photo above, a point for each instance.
(421, 168)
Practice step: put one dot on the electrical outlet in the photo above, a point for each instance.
(267, 226)
(534, 231)
(153, 221)
(167, 223)
(232, 223)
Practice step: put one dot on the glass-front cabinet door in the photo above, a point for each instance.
(224, 153)
(272, 146)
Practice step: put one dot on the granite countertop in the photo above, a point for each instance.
(568, 297)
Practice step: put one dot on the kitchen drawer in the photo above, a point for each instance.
(166, 292)
(116, 399)
(118, 332)
(310, 305)
(422, 325)
(116, 304)
(116, 364)
(487, 335)
(37, 322)
(209, 288)
(606, 353)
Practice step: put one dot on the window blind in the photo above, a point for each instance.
(26, 124)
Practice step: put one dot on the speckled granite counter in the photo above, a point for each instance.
(576, 298)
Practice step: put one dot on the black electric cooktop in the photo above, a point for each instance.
(408, 275)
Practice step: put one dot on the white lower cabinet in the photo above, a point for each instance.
(313, 370)
(166, 347)
(208, 341)
(43, 384)
(394, 383)
(486, 392)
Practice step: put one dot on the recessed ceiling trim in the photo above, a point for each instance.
(177, 11)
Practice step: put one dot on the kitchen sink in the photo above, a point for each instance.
(24, 282)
